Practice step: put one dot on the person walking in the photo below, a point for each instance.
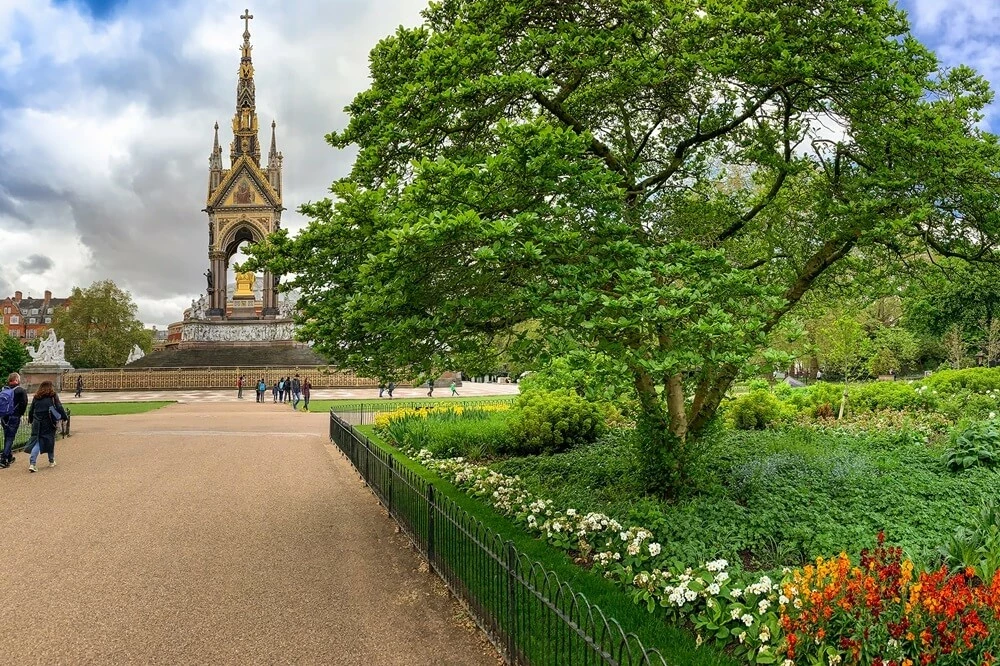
(79, 386)
(288, 389)
(430, 388)
(390, 388)
(381, 390)
(261, 390)
(13, 403)
(306, 391)
(239, 387)
(275, 389)
(42, 416)
(454, 392)
(296, 392)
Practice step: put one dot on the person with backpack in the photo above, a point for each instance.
(306, 391)
(390, 388)
(261, 389)
(45, 412)
(430, 388)
(275, 390)
(296, 392)
(239, 387)
(13, 403)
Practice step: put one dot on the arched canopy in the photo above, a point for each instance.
(242, 231)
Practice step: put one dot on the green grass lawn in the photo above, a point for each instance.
(113, 408)
(385, 403)
(676, 644)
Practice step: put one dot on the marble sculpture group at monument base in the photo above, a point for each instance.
(48, 363)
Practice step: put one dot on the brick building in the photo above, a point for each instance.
(28, 318)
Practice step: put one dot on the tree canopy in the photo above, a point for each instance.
(655, 182)
(100, 326)
(13, 356)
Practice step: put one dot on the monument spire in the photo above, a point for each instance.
(215, 164)
(245, 140)
(274, 162)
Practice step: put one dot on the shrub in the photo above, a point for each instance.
(877, 396)
(553, 421)
(977, 547)
(975, 445)
(757, 410)
(978, 380)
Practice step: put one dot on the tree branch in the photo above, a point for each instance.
(700, 138)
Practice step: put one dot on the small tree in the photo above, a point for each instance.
(844, 346)
(100, 326)
(954, 344)
(13, 356)
(991, 345)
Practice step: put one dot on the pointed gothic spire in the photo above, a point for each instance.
(273, 153)
(245, 140)
(215, 160)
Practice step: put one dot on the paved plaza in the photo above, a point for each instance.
(467, 390)
(213, 534)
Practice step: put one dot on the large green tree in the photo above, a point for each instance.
(13, 356)
(655, 181)
(100, 326)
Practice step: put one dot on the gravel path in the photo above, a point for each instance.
(213, 534)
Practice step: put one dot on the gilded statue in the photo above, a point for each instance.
(244, 284)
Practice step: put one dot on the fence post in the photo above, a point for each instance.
(430, 523)
(512, 562)
(388, 491)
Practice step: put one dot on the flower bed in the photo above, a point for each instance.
(880, 611)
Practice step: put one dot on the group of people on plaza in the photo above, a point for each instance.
(384, 389)
(286, 389)
(44, 414)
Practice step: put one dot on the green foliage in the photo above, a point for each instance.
(13, 356)
(774, 498)
(473, 434)
(757, 410)
(548, 164)
(975, 445)
(100, 326)
(977, 546)
(978, 380)
(553, 421)
(876, 396)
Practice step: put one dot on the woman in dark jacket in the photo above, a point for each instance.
(43, 427)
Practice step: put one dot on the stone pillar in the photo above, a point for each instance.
(270, 305)
(217, 300)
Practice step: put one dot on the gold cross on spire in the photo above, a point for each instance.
(246, 19)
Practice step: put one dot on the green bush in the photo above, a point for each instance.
(553, 421)
(876, 396)
(820, 399)
(978, 380)
(757, 410)
(975, 445)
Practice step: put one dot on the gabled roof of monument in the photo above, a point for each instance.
(244, 165)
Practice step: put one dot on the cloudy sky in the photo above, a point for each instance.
(107, 107)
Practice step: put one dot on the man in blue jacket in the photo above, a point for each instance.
(12, 421)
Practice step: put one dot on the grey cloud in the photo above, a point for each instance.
(35, 263)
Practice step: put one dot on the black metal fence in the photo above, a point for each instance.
(24, 431)
(526, 611)
(364, 413)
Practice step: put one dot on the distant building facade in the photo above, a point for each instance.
(29, 318)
